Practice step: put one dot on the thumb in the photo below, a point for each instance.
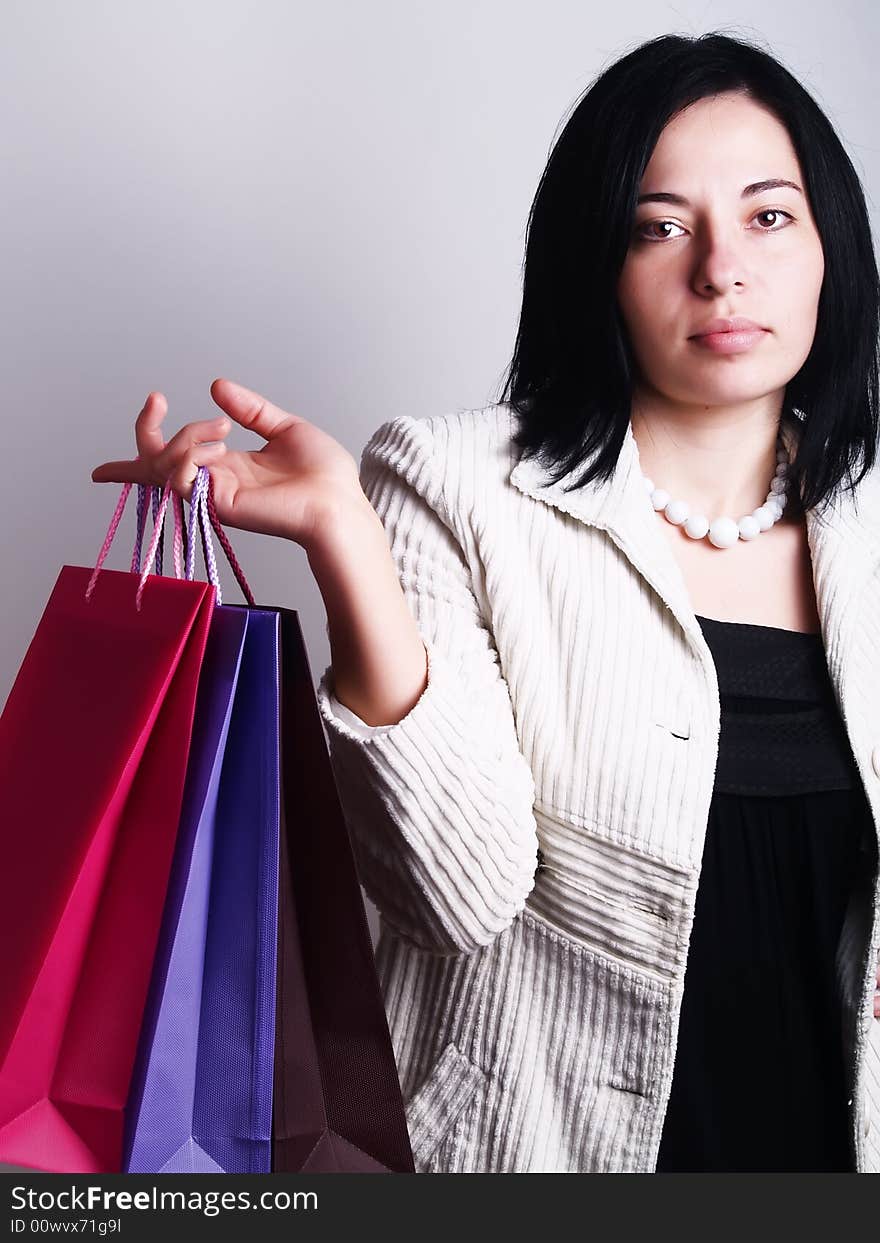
(251, 410)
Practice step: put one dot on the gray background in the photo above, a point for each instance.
(326, 203)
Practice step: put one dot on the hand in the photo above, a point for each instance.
(296, 485)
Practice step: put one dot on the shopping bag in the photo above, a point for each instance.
(337, 1106)
(201, 1094)
(94, 739)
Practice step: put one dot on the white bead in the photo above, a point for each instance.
(723, 533)
(697, 526)
(677, 512)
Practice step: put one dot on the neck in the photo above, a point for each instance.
(719, 459)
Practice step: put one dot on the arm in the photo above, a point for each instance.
(435, 790)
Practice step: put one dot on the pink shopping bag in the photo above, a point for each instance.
(94, 741)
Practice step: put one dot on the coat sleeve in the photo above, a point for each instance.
(439, 805)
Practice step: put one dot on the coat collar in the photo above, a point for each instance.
(844, 539)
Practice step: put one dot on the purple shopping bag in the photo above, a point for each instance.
(336, 1101)
(337, 1104)
(201, 1093)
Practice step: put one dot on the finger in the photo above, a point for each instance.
(183, 476)
(190, 436)
(147, 433)
(157, 471)
(251, 410)
(123, 472)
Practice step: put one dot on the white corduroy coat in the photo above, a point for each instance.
(531, 832)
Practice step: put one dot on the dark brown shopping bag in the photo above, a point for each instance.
(337, 1104)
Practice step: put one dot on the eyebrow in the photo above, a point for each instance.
(754, 187)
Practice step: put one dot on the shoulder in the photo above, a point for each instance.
(860, 505)
(456, 455)
(865, 514)
(868, 490)
(456, 432)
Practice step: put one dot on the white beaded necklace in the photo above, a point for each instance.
(724, 532)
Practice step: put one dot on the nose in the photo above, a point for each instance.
(720, 266)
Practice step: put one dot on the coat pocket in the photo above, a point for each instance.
(451, 1084)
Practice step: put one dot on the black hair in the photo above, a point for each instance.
(570, 380)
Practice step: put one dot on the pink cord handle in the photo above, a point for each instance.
(151, 552)
(199, 510)
(202, 510)
(145, 491)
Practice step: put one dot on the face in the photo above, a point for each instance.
(710, 243)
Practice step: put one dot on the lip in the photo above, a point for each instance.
(738, 323)
(729, 336)
(729, 342)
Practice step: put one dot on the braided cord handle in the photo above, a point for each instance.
(202, 510)
(226, 546)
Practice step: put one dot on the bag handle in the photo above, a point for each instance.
(200, 504)
(181, 542)
(215, 523)
(154, 494)
(145, 491)
(225, 544)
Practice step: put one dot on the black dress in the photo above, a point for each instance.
(759, 1080)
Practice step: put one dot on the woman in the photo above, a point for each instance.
(603, 674)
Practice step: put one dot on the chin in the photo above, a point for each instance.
(725, 390)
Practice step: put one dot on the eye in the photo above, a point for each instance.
(641, 231)
(650, 224)
(773, 211)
